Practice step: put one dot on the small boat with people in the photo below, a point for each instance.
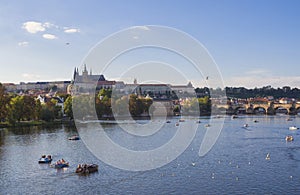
(207, 125)
(289, 138)
(246, 125)
(74, 137)
(234, 116)
(61, 164)
(268, 157)
(86, 168)
(293, 128)
(45, 159)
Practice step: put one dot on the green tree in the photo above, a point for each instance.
(29, 105)
(46, 113)
(4, 100)
(135, 105)
(68, 107)
(204, 105)
(15, 109)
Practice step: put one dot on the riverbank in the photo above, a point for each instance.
(36, 123)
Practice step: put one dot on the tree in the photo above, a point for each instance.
(15, 109)
(135, 105)
(4, 100)
(29, 105)
(68, 107)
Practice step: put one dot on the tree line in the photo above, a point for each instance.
(16, 108)
(244, 93)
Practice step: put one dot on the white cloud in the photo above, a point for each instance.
(141, 27)
(260, 81)
(49, 25)
(258, 72)
(23, 43)
(30, 76)
(33, 27)
(49, 36)
(71, 30)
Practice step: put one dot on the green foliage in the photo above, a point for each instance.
(138, 106)
(83, 106)
(4, 100)
(22, 108)
(68, 107)
(196, 106)
(121, 106)
(204, 105)
(47, 113)
(176, 109)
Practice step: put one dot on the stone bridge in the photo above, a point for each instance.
(255, 108)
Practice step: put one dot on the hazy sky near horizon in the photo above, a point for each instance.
(254, 43)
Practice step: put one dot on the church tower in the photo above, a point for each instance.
(85, 74)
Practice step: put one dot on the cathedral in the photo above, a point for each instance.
(86, 77)
(86, 82)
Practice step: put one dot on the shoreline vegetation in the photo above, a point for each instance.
(36, 123)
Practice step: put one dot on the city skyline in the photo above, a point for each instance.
(254, 43)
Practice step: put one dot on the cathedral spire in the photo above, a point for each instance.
(84, 68)
(74, 74)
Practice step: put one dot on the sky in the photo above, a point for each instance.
(254, 43)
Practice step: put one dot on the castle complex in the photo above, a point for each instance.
(87, 82)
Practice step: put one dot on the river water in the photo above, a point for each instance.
(235, 165)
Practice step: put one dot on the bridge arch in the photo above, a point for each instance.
(281, 110)
(298, 110)
(260, 110)
(240, 110)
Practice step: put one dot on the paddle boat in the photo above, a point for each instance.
(86, 168)
(289, 138)
(268, 157)
(74, 137)
(293, 128)
(61, 164)
(234, 116)
(45, 159)
(207, 125)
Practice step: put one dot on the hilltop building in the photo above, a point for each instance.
(87, 82)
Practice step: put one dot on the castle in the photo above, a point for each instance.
(87, 82)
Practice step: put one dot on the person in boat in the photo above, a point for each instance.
(43, 156)
(79, 168)
(49, 157)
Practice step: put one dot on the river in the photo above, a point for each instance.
(235, 165)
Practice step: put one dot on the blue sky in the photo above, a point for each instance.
(254, 43)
